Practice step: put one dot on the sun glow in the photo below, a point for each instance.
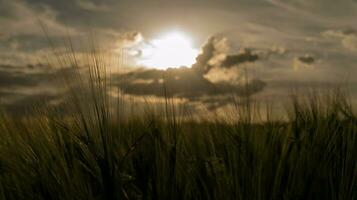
(171, 50)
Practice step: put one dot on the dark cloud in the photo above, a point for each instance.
(349, 31)
(128, 38)
(181, 82)
(215, 54)
(307, 59)
(32, 75)
(22, 88)
(304, 62)
(10, 78)
(245, 56)
(7, 9)
(24, 103)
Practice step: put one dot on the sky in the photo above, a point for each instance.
(280, 43)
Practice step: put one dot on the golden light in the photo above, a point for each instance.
(170, 50)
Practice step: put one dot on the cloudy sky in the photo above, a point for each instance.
(280, 43)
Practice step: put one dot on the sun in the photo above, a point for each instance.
(170, 50)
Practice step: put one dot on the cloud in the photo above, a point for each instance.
(306, 61)
(20, 18)
(181, 82)
(208, 53)
(23, 37)
(215, 53)
(348, 37)
(22, 87)
(129, 38)
(245, 56)
(320, 10)
(84, 15)
(215, 73)
(18, 78)
(24, 103)
(25, 40)
(220, 64)
(91, 6)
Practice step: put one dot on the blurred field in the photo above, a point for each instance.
(97, 153)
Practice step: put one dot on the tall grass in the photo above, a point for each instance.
(96, 153)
